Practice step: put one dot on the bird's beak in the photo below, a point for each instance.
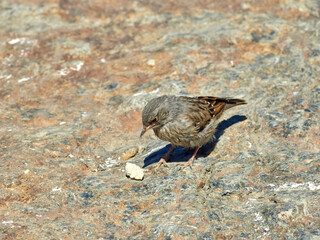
(145, 129)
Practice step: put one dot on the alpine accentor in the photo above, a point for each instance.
(185, 121)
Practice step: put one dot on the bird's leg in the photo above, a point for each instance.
(163, 160)
(192, 158)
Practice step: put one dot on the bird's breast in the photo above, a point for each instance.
(180, 133)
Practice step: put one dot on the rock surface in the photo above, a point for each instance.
(75, 76)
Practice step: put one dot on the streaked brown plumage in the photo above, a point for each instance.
(185, 121)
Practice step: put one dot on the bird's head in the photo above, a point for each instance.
(155, 114)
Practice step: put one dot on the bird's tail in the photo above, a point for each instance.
(231, 102)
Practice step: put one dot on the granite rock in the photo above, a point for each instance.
(75, 76)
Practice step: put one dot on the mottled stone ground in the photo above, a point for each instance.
(75, 76)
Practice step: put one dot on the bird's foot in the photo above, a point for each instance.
(188, 164)
(162, 161)
(192, 158)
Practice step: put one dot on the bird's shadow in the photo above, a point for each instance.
(181, 154)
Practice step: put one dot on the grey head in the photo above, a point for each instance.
(156, 113)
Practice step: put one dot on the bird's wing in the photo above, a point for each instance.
(214, 104)
(202, 110)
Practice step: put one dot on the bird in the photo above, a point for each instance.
(184, 120)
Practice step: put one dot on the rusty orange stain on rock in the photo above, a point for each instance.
(131, 121)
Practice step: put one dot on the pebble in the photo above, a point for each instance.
(129, 153)
(134, 171)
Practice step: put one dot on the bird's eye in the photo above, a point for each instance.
(155, 120)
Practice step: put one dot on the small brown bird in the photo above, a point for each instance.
(185, 121)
